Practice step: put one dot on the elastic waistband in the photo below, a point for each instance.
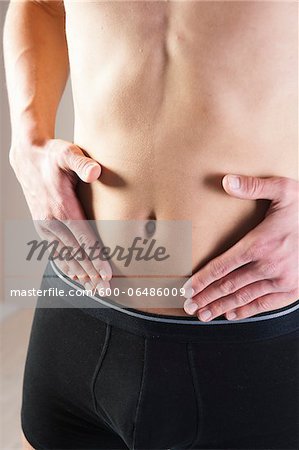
(179, 328)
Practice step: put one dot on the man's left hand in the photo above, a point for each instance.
(260, 272)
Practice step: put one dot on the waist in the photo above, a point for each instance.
(180, 328)
(201, 217)
(168, 184)
(169, 175)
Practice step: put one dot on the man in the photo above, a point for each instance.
(170, 99)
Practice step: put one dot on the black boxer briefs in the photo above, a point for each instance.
(99, 376)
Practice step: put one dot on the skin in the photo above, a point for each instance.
(156, 130)
(169, 98)
(25, 443)
(223, 114)
(260, 272)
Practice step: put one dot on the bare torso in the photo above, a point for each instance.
(171, 96)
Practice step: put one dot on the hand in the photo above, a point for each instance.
(260, 272)
(48, 175)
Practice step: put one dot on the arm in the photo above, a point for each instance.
(36, 62)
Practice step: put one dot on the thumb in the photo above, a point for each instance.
(248, 187)
(86, 168)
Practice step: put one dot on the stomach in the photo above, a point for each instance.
(167, 119)
(167, 188)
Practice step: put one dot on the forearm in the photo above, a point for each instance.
(36, 63)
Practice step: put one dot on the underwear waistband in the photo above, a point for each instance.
(184, 328)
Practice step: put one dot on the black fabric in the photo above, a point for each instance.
(91, 383)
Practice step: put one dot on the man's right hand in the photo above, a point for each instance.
(48, 174)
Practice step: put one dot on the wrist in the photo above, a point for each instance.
(29, 131)
(28, 138)
(23, 143)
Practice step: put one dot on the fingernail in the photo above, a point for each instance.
(234, 182)
(103, 274)
(231, 315)
(189, 292)
(190, 307)
(89, 166)
(101, 288)
(205, 315)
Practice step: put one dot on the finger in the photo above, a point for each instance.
(84, 234)
(64, 251)
(103, 288)
(64, 267)
(261, 304)
(70, 252)
(73, 158)
(74, 269)
(71, 268)
(229, 284)
(239, 298)
(87, 239)
(218, 268)
(270, 188)
(67, 248)
(90, 278)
